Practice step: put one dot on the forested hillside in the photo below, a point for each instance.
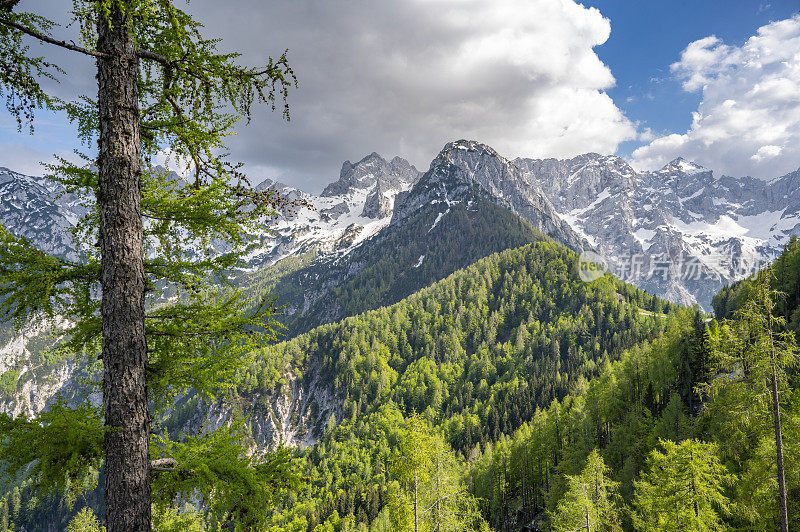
(473, 355)
(648, 435)
(511, 395)
(435, 241)
(677, 434)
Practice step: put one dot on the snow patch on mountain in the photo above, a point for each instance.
(350, 210)
(681, 231)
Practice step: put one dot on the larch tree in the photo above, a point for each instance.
(85, 521)
(754, 362)
(590, 501)
(437, 498)
(682, 489)
(412, 461)
(163, 87)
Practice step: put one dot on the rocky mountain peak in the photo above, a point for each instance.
(680, 165)
(464, 150)
(364, 175)
(467, 168)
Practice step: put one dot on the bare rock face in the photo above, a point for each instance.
(36, 384)
(680, 232)
(336, 211)
(295, 414)
(463, 165)
(380, 202)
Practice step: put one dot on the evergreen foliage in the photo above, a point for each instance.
(85, 521)
(756, 358)
(473, 355)
(683, 488)
(182, 235)
(694, 404)
(433, 492)
(590, 500)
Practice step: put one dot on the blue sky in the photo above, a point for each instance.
(537, 78)
(648, 36)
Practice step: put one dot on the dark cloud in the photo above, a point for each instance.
(406, 76)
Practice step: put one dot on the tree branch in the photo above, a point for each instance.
(200, 74)
(44, 38)
(8, 5)
(147, 54)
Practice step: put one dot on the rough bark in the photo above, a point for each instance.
(124, 349)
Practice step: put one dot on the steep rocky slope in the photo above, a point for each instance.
(384, 230)
(680, 232)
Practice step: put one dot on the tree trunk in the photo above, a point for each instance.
(124, 349)
(776, 413)
(437, 521)
(695, 504)
(416, 514)
(586, 517)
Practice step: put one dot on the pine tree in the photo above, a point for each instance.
(682, 489)
(162, 87)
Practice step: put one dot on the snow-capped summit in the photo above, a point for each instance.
(464, 165)
(353, 208)
(681, 231)
(370, 171)
(681, 165)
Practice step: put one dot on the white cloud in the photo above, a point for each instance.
(405, 77)
(646, 135)
(748, 121)
(767, 152)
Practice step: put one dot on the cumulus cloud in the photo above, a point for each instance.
(748, 120)
(405, 77)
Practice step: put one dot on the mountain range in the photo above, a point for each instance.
(680, 232)
(384, 230)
